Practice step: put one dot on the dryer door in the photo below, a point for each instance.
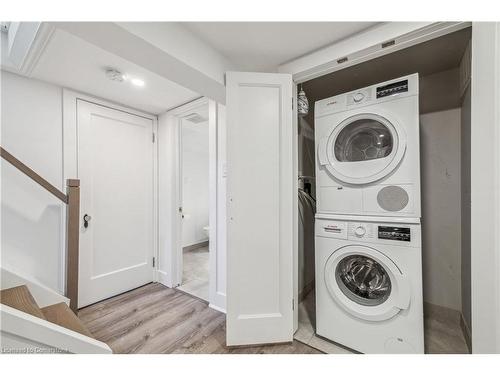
(363, 148)
(366, 283)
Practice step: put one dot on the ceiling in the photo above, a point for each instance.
(71, 62)
(262, 46)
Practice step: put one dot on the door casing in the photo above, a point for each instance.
(170, 193)
(70, 155)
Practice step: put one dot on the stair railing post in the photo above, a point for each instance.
(72, 241)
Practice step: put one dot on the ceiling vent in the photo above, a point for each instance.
(195, 118)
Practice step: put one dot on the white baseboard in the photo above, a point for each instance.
(218, 302)
(196, 246)
(217, 308)
(164, 279)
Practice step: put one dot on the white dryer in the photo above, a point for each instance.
(369, 283)
(367, 150)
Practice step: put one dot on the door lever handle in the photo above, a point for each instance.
(86, 219)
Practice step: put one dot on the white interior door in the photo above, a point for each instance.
(115, 166)
(260, 208)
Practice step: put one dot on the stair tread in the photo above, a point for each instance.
(20, 298)
(61, 314)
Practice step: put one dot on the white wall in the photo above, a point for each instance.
(195, 183)
(32, 219)
(441, 235)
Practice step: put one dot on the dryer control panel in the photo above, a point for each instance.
(392, 89)
(394, 233)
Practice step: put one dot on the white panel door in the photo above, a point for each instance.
(115, 166)
(260, 208)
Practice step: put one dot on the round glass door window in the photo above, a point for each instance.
(363, 139)
(363, 280)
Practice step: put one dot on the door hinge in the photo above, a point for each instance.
(154, 262)
(154, 138)
(293, 304)
(292, 104)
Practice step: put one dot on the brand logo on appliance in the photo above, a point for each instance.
(333, 228)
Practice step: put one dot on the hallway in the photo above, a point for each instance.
(157, 319)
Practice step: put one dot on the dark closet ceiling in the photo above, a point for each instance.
(435, 56)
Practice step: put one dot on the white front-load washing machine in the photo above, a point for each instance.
(367, 150)
(369, 283)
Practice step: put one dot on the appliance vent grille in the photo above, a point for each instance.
(392, 198)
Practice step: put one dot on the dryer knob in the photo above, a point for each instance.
(360, 231)
(359, 96)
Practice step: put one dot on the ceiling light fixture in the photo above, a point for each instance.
(115, 75)
(137, 82)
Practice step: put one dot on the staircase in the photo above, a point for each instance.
(33, 317)
(36, 319)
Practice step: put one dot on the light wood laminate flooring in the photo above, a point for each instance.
(157, 319)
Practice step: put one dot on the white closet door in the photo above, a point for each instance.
(260, 208)
(115, 166)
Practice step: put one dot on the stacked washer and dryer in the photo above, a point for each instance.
(368, 236)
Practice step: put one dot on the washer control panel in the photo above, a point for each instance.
(395, 233)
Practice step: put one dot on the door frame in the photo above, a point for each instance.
(70, 100)
(359, 48)
(485, 188)
(170, 192)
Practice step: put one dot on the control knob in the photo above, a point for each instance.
(359, 96)
(360, 231)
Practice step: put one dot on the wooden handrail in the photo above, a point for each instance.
(72, 201)
(33, 175)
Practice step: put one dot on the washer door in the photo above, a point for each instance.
(366, 283)
(363, 148)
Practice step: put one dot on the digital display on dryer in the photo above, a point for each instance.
(392, 89)
(394, 233)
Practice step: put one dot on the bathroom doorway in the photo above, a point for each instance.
(192, 195)
(195, 202)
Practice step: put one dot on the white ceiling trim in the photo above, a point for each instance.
(26, 42)
(366, 46)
